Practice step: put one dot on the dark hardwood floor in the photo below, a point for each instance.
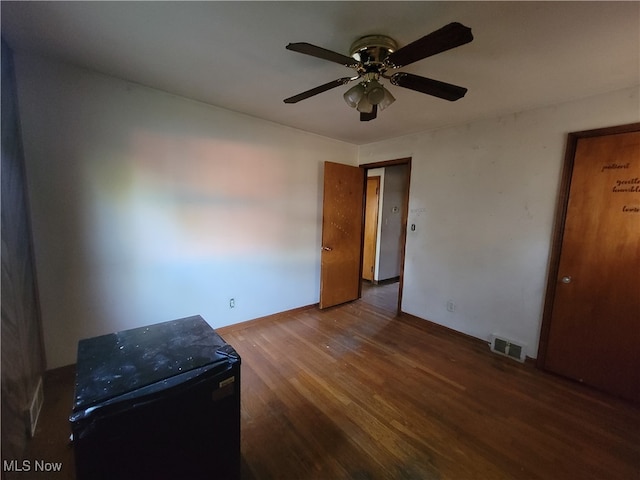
(353, 392)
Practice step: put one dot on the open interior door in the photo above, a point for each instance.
(342, 228)
(370, 228)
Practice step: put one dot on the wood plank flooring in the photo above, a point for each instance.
(354, 392)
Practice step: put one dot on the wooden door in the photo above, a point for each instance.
(342, 226)
(593, 329)
(370, 228)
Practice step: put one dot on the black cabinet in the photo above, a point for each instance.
(157, 402)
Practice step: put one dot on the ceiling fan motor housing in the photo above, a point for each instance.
(372, 50)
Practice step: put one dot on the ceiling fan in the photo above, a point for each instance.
(373, 55)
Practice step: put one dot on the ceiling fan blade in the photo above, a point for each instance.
(323, 53)
(319, 89)
(448, 37)
(427, 85)
(365, 117)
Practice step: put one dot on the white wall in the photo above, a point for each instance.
(483, 197)
(148, 207)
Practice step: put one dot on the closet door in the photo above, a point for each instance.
(591, 330)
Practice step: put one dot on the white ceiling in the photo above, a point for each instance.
(232, 54)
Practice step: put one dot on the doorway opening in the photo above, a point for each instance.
(385, 229)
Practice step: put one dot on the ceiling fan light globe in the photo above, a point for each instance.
(354, 95)
(364, 105)
(387, 100)
(375, 92)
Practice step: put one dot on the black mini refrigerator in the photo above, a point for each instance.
(157, 402)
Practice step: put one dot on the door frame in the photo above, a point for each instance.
(559, 223)
(405, 216)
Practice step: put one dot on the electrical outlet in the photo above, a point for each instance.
(232, 303)
(451, 306)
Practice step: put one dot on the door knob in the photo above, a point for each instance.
(327, 249)
(566, 279)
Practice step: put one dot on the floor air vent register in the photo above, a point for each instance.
(508, 348)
